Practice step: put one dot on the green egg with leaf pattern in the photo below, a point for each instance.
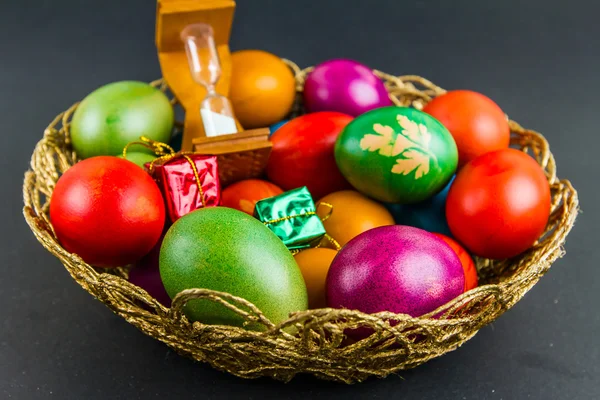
(396, 154)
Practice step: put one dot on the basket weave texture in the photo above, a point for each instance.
(317, 345)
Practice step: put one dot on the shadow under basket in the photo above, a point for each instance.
(317, 345)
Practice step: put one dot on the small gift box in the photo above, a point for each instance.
(292, 217)
(188, 181)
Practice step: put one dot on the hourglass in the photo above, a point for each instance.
(205, 67)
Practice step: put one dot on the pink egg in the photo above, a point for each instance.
(345, 86)
(396, 268)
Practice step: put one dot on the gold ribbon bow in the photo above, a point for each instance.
(331, 240)
(166, 153)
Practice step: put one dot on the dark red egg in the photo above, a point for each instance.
(471, 280)
(303, 154)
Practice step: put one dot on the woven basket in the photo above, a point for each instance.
(318, 346)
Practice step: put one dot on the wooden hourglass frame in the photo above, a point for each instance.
(241, 155)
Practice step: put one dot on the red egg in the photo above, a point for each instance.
(476, 123)
(108, 211)
(303, 154)
(499, 204)
(243, 195)
(466, 261)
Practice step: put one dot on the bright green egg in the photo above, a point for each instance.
(396, 154)
(139, 158)
(223, 249)
(119, 113)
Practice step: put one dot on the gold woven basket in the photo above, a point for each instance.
(318, 346)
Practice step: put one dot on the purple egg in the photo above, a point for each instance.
(146, 274)
(396, 268)
(346, 86)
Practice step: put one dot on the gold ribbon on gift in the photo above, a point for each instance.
(166, 153)
(288, 217)
(331, 240)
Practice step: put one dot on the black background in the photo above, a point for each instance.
(539, 60)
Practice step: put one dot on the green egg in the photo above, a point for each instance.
(396, 154)
(223, 249)
(139, 158)
(119, 113)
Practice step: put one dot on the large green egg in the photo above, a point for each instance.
(119, 113)
(223, 249)
(396, 154)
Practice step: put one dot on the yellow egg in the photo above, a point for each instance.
(263, 88)
(351, 214)
(314, 265)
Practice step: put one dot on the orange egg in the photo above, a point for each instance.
(243, 195)
(466, 261)
(314, 265)
(263, 88)
(352, 213)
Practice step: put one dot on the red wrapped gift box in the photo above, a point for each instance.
(188, 182)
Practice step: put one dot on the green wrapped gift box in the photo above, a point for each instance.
(292, 217)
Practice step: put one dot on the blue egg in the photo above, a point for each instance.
(429, 215)
(277, 125)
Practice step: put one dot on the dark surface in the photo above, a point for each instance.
(538, 60)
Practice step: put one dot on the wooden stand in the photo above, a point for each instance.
(240, 155)
(171, 17)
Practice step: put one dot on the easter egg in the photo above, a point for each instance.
(471, 280)
(347, 214)
(263, 88)
(139, 158)
(276, 126)
(302, 153)
(119, 113)
(146, 274)
(345, 86)
(477, 124)
(396, 155)
(395, 268)
(243, 195)
(226, 250)
(499, 204)
(429, 214)
(108, 211)
(314, 264)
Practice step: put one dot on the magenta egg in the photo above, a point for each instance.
(396, 268)
(146, 274)
(345, 86)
